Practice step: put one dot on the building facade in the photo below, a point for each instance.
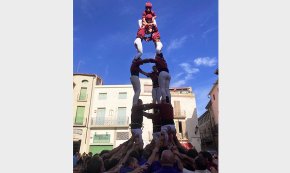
(83, 85)
(103, 123)
(111, 115)
(208, 122)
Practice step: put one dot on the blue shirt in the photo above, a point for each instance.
(125, 169)
(167, 169)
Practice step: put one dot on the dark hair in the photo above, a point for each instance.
(104, 151)
(159, 55)
(192, 153)
(129, 161)
(200, 163)
(110, 163)
(95, 165)
(90, 154)
(206, 155)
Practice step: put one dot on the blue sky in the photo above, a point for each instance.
(104, 32)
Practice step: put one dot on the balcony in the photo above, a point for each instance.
(109, 122)
(180, 114)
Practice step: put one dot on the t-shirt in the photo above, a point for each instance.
(168, 169)
(137, 115)
(160, 63)
(166, 113)
(126, 169)
(146, 12)
(154, 77)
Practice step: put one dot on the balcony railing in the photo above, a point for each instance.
(109, 122)
(180, 114)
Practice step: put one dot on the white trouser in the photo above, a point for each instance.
(140, 23)
(170, 128)
(156, 136)
(158, 47)
(139, 47)
(164, 81)
(156, 94)
(137, 133)
(136, 87)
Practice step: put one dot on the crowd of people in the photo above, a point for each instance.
(156, 157)
(164, 154)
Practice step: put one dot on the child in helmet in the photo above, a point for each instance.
(148, 10)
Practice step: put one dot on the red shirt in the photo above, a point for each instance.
(141, 33)
(146, 12)
(166, 113)
(154, 35)
(160, 63)
(135, 66)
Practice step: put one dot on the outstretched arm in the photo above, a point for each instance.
(144, 73)
(177, 143)
(150, 115)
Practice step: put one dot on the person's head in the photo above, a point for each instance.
(95, 165)
(148, 6)
(136, 59)
(110, 163)
(206, 155)
(148, 18)
(167, 158)
(131, 162)
(154, 68)
(200, 163)
(159, 55)
(90, 154)
(192, 153)
(140, 102)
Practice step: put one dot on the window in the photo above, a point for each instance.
(102, 96)
(177, 111)
(122, 95)
(147, 88)
(85, 81)
(101, 138)
(111, 111)
(100, 116)
(122, 135)
(83, 94)
(121, 119)
(213, 97)
(80, 115)
(180, 126)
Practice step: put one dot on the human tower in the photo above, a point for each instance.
(162, 116)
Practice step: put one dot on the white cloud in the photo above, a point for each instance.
(204, 34)
(206, 61)
(176, 43)
(188, 69)
(181, 78)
